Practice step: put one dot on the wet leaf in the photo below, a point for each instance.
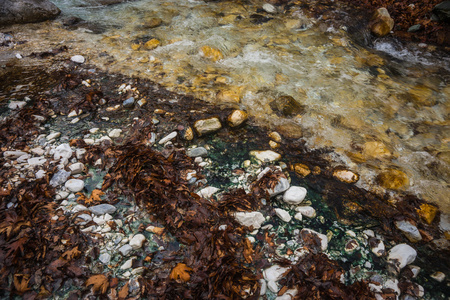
(21, 283)
(71, 254)
(123, 293)
(100, 283)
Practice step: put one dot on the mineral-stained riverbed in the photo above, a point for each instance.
(383, 110)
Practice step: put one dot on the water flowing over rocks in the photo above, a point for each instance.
(27, 11)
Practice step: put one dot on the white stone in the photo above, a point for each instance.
(115, 133)
(298, 216)
(80, 153)
(281, 186)
(288, 295)
(128, 264)
(38, 151)
(168, 137)
(13, 154)
(273, 286)
(369, 233)
(402, 255)
(78, 208)
(14, 105)
(89, 141)
(99, 220)
(79, 59)
(274, 273)
(283, 215)
(207, 192)
(294, 195)
(74, 185)
(53, 136)
(438, 276)
(263, 289)
(76, 120)
(306, 211)
(409, 230)
(23, 158)
(61, 195)
(392, 284)
(265, 156)
(36, 161)
(76, 168)
(73, 113)
(63, 151)
(269, 8)
(137, 241)
(248, 219)
(94, 130)
(378, 249)
(125, 249)
(40, 174)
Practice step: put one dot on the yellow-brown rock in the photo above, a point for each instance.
(152, 44)
(427, 212)
(392, 179)
(381, 23)
(211, 53)
(275, 136)
(237, 117)
(274, 145)
(228, 96)
(375, 149)
(290, 130)
(152, 23)
(345, 175)
(302, 170)
(188, 134)
(135, 46)
(420, 95)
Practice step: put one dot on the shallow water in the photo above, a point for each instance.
(380, 109)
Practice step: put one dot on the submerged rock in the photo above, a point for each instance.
(27, 11)
(206, 126)
(381, 23)
(265, 156)
(402, 255)
(237, 117)
(409, 230)
(294, 195)
(392, 179)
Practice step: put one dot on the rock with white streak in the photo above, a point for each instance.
(307, 211)
(294, 195)
(248, 219)
(168, 137)
(63, 151)
(402, 255)
(283, 215)
(137, 241)
(74, 185)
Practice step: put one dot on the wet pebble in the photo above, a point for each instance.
(79, 59)
(206, 126)
(102, 209)
(265, 156)
(137, 241)
(168, 138)
(248, 219)
(59, 178)
(74, 185)
(115, 133)
(294, 195)
(306, 211)
(402, 255)
(128, 103)
(409, 230)
(283, 215)
(197, 152)
(125, 250)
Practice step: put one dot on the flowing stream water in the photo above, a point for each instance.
(383, 110)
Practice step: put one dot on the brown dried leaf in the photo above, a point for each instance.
(71, 254)
(180, 272)
(21, 282)
(100, 283)
(123, 293)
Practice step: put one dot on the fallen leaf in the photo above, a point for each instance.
(100, 283)
(123, 293)
(180, 272)
(21, 282)
(71, 254)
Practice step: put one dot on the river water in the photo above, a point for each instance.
(383, 110)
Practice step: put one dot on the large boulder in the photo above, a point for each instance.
(27, 11)
(441, 12)
(381, 23)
